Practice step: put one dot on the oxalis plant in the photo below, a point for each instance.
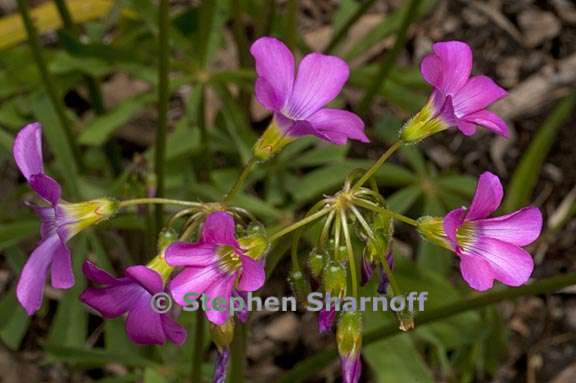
(219, 249)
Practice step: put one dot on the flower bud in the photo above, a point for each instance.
(432, 229)
(349, 340)
(383, 283)
(272, 141)
(316, 262)
(425, 123)
(221, 366)
(299, 285)
(326, 319)
(334, 279)
(222, 335)
(367, 270)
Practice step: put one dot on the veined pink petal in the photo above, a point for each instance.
(510, 264)
(452, 222)
(431, 69)
(219, 228)
(222, 290)
(62, 275)
(275, 69)
(520, 228)
(173, 330)
(30, 288)
(144, 325)
(191, 254)
(489, 120)
(27, 150)
(253, 274)
(487, 197)
(477, 272)
(46, 187)
(477, 94)
(112, 302)
(319, 80)
(338, 126)
(193, 280)
(147, 278)
(467, 128)
(456, 58)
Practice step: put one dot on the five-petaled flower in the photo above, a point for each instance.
(60, 222)
(298, 99)
(491, 248)
(457, 99)
(132, 294)
(216, 266)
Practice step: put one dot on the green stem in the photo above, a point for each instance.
(238, 354)
(388, 62)
(157, 201)
(196, 373)
(240, 180)
(343, 31)
(350, 251)
(292, 23)
(377, 165)
(299, 224)
(47, 79)
(378, 209)
(163, 99)
(308, 367)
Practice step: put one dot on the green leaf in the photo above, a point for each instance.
(12, 233)
(100, 128)
(526, 175)
(404, 198)
(93, 357)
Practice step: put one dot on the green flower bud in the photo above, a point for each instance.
(334, 279)
(349, 333)
(316, 262)
(299, 285)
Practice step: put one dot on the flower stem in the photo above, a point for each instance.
(350, 251)
(163, 99)
(238, 354)
(47, 79)
(374, 168)
(378, 209)
(388, 63)
(299, 224)
(196, 373)
(308, 367)
(240, 180)
(157, 201)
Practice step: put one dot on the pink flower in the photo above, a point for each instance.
(459, 99)
(298, 100)
(216, 266)
(491, 248)
(132, 294)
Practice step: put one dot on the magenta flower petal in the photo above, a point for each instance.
(431, 69)
(476, 272)
(30, 288)
(112, 302)
(520, 228)
(456, 59)
(219, 228)
(221, 289)
(46, 188)
(191, 254)
(253, 274)
(221, 366)
(27, 150)
(510, 264)
(193, 280)
(275, 69)
(97, 275)
(62, 275)
(477, 94)
(452, 221)
(467, 128)
(173, 330)
(351, 368)
(147, 278)
(489, 120)
(319, 80)
(143, 325)
(487, 197)
(337, 126)
(326, 319)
